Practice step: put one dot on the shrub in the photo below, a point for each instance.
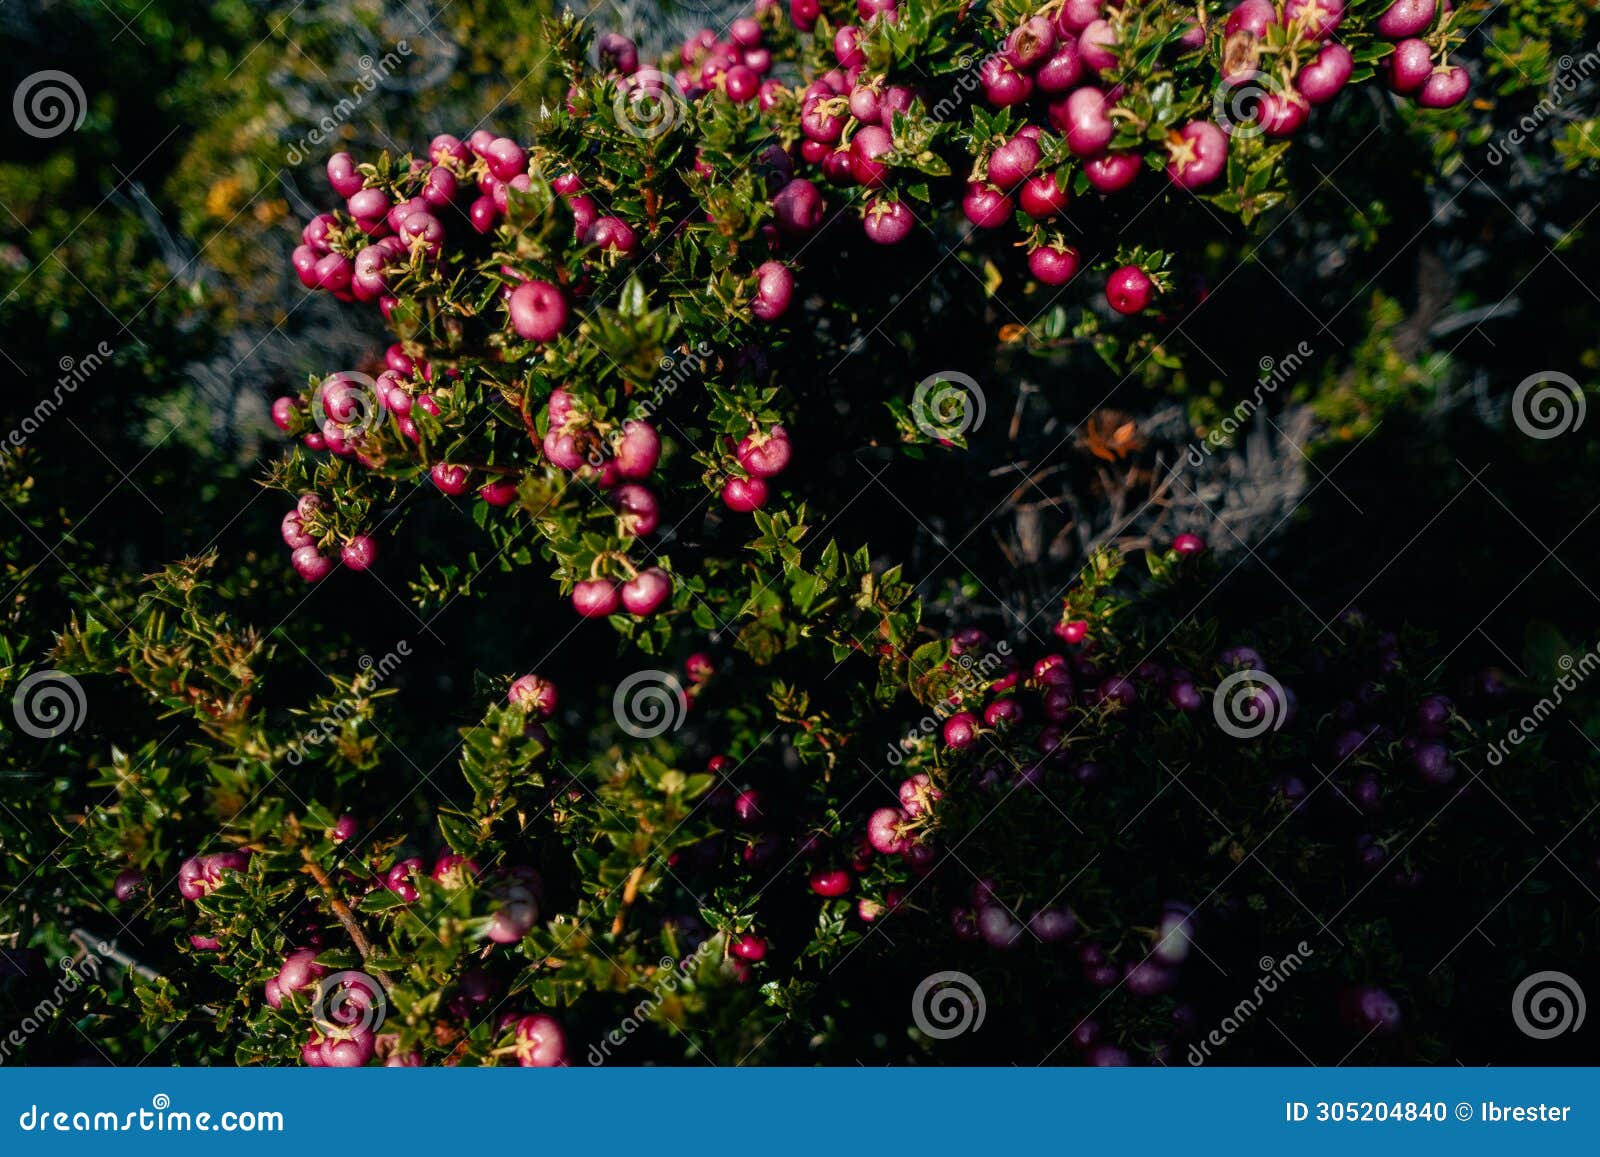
(660, 353)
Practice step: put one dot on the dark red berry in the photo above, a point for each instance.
(595, 598)
(1129, 289)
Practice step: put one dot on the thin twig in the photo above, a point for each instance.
(342, 912)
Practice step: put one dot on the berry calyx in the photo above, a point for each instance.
(765, 455)
(534, 694)
(888, 222)
(540, 1042)
(1197, 154)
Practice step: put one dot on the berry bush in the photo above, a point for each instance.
(787, 580)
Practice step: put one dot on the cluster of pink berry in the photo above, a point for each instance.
(1060, 71)
(760, 455)
(303, 528)
(734, 66)
(619, 459)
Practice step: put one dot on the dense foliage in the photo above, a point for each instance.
(813, 524)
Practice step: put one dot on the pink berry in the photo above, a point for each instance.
(1013, 162)
(638, 450)
(1317, 19)
(1188, 544)
(368, 204)
(500, 492)
(595, 598)
(451, 480)
(830, 882)
(798, 207)
(538, 311)
(333, 272)
(647, 591)
(1084, 117)
(1406, 18)
(618, 53)
(888, 222)
(1004, 85)
(1053, 264)
(744, 494)
(1095, 45)
(749, 947)
(960, 730)
(637, 509)
(1444, 87)
(483, 214)
(1252, 16)
(1062, 71)
(1029, 43)
(765, 455)
(311, 565)
(1129, 289)
(1196, 154)
(1110, 172)
(986, 206)
(540, 1042)
(1041, 198)
(847, 47)
(343, 175)
(534, 694)
(819, 122)
(866, 148)
(1410, 65)
(304, 259)
(614, 234)
(1321, 80)
(884, 830)
(506, 158)
(774, 290)
(918, 795)
(1281, 114)
(1073, 630)
(293, 530)
(359, 553)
